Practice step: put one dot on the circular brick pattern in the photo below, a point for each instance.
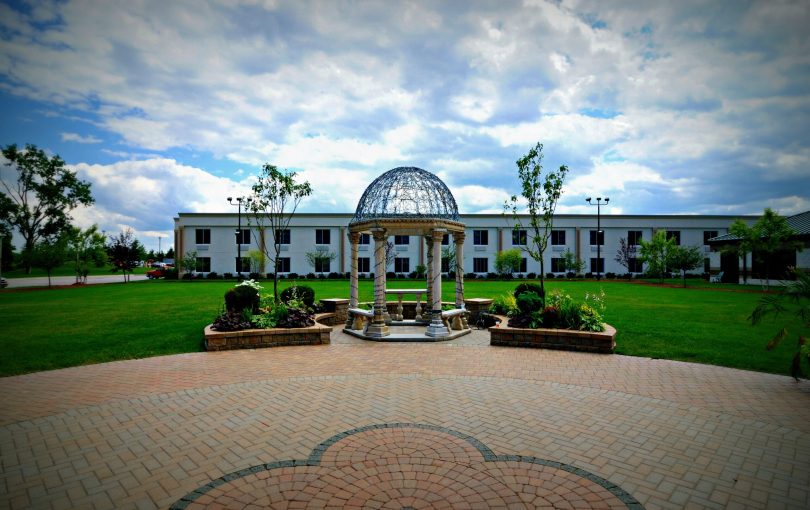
(402, 466)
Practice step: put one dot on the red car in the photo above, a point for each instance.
(158, 273)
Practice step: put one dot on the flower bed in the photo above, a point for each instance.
(273, 337)
(547, 338)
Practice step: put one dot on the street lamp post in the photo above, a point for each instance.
(598, 205)
(239, 201)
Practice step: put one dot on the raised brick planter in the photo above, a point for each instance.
(562, 339)
(275, 337)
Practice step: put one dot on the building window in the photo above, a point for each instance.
(597, 240)
(480, 265)
(446, 240)
(708, 234)
(635, 266)
(707, 264)
(558, 237)
(203, 264)
(524, 263)
(363, 264)
(598, 265)
(242, 265)
(365, 239)
(323, 236)
(480, 237)
(283, 264)
(674, 234)
(323, 265)
(203, 235)
(634, 237)
(402, 264)
(243, 236)
(402, 240)
(519, 238)
(557, 265)
(283, 236)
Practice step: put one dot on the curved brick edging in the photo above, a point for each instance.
(317, 334)
(315, 460)
(561, 339)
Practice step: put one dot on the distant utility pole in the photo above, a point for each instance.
(599, 236)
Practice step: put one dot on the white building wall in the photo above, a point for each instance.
(223, 250)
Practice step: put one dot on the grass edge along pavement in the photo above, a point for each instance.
(98, 323)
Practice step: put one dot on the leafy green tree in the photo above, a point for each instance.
(123, 252)
(655, 253)
(449, 257)
(169, 254)
(572, 263)
(541, 196)
(684, 258)
(257, 260)
(276, 196)
(772, 234)
(319, 257)
(745, 244)
(38, 195)
(86, 246)
(189, 262)
(508, 261)
(794, 301)
(50, 253)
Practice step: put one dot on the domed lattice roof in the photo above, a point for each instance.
(406, 192)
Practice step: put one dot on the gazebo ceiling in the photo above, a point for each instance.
(406, 193)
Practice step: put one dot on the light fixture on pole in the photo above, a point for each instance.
(599, 236)
(238, 202)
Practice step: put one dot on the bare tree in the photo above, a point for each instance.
(626, 253)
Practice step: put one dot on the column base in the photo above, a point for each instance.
(436, 329)
(377, 330)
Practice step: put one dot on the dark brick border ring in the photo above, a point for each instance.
(407, 465)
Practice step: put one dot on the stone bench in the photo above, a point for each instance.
(457, 316)
(360, 317)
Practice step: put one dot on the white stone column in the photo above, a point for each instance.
(378, 328)
(429, 274)
(354, 240)
(458, 237)
(436, 328)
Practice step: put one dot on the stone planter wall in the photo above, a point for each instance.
(563, 339)
(338, 307)
(276, 337)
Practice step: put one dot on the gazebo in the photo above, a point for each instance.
(407, 201)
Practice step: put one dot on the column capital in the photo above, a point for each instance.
(379, 234)
(459, 237)
(438, 234)
(354, 237)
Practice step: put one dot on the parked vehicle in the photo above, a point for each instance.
(158, 273)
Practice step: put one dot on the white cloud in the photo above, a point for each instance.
(75, 137)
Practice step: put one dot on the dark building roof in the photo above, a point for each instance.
(800, 223)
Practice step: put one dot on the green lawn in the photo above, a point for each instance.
(47, 329)
(65, 270)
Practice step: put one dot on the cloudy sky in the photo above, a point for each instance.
(166, 107)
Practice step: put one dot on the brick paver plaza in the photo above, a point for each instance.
(371, 425)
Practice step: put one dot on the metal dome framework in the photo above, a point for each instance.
(407, 201)
(406, 192)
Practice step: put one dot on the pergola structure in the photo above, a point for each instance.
(407, 201)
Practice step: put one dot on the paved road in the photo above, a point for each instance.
(42, 281)
(365, 424)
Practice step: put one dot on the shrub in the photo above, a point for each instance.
(588, 275)
(296, 318)
(570, 274)
(292, 276)
(227, 276)
(504, 304)
(188, 276)
(254, 276)
(242, 297)
(528, 302)
(212, 275)
(390, 275)
(492, 276)
(551, 317)
(550, 275)
(527, 287)
(311, 276)
(412, 275)
(170, 274)
(486, 320)
(333, 276)
(231, 321)
(469, 276)
(298, 292)
(610, 276)
(531, 276)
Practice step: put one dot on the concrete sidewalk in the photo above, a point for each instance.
(42, 281)
(362, 424)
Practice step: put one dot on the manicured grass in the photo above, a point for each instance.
(47, 329)
(65, 270)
